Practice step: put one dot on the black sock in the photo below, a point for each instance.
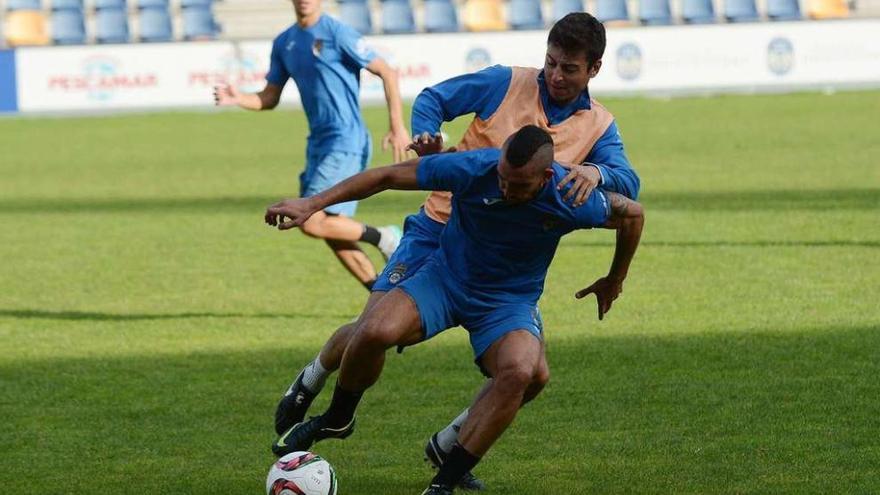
(458, 462)
(369, 284)
(371, 235)
(342, 407)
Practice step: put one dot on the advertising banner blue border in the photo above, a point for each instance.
(8, 91)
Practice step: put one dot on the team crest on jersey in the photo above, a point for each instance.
(317, 47)
(397, 273)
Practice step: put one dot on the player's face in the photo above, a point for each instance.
(305, 8)
(567, 74)
(522, 184)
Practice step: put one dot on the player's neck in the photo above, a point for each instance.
(308, 21)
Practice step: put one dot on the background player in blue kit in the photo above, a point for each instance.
(506, 222)
(324, 57)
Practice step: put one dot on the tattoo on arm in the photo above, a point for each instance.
(622, 208)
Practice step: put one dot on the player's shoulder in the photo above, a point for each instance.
(338, 28)
(285, 35)
(598, 107)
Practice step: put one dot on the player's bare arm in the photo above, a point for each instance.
(401, 176)
(628, 218)
(398, 137)
(267, 99)
(584, 178)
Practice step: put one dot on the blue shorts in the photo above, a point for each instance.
(443, 304)
(328, 168)
(421, 237)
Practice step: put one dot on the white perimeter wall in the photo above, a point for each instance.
(664, 60)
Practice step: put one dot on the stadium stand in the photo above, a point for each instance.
(68, 26)
(154, 24)
(198, 22)
(655, 12)
(614, 12)
(525, 14)
(483, 15)
(740, 11)
(783, 10)
(697, 11)
(563, 7)
(67, 5)
(397, 17)
(25, 28)
(440, 16)
(356, 13)
(23, 5)
(111, 24)
(827, 9)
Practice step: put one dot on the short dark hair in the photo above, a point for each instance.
(579, 32)
(525, 143)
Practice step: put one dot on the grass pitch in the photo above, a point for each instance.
(149, 321)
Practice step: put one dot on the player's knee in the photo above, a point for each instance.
(515, 378)
(313, 228)
(542, 377)
(374, 332)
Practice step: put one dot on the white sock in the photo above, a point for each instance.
(314, 376)
(447, 436)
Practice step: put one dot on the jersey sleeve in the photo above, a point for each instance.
(609, 157)
(277, 74)
(481, 93)
(354, 47)
(594, 212)
(452, 172)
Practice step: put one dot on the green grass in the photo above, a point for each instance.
(149, 321)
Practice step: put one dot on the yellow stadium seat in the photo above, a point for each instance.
(26, 27)
(827, 9)
(483, 15)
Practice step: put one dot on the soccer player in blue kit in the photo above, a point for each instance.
(502, 99)
(324, 57)
(487, 276)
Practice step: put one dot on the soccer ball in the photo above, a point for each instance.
(301, 473)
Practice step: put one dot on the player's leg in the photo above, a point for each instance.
(513, 360)
(355, 261)
(308, 383)
(420, 240)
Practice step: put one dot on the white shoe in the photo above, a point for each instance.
(389, 240)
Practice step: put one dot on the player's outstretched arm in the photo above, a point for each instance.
(397, 137)
(267, 99)
(290, 213)
(628, 218)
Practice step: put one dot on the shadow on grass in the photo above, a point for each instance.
(821, 200)
(749, 412)
(96, 316)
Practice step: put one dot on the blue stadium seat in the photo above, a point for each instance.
(110, 4)
(697, 11)
(525, 14)
(561, 8)
(23, 5)
(196, 3)
(440, 16)
(155, 25)
(655, 12)
(68, 27)
(111, 25)
(67, 5)
(157, 4)
(611, 10)
(356, 13)
(198, 23)
(740, 10)
(783, 10)
(397, 17)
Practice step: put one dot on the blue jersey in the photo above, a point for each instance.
(483, 92)
(497, 250)
(325, 61)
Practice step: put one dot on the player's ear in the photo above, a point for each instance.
(594, 70)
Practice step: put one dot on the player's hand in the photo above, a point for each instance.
(225, 95)
(426, 144)
(584, 178)
(289, 213)
(398, 140)
(606, 290)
